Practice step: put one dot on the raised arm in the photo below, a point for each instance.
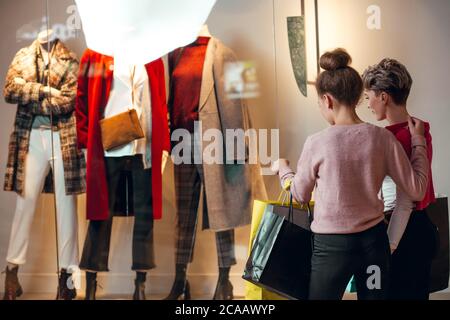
(303, 182)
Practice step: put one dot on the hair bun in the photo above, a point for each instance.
(334, 60)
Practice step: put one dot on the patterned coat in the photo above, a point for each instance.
(32, 101)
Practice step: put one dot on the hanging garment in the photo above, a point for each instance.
(32, 102)
(231, 188)
(94, 86)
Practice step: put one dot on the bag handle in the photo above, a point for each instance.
(283, 197)
(291, 210)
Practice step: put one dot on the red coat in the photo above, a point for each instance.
(94, 85)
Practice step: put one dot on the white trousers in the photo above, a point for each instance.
(37, 166)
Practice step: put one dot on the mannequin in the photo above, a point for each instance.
(131, 172)
(46, 40)
(197, 99)
(30, 165)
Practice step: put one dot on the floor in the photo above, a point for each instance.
(436, 296)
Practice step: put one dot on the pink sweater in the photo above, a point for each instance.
(347, 164)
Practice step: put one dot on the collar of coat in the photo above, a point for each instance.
(60, 51)
(208, 76)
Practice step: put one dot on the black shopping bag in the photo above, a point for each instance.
(438, 213)
(280, 260)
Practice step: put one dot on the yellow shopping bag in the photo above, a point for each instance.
(253, 292)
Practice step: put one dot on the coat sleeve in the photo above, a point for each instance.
(81, 102)
(16, 93)
(399, 219)
(63, 104)
(231, 111)
(303, 182)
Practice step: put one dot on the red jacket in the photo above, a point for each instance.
(94, 85)
(403, 135)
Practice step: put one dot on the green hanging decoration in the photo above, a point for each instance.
(297, 46)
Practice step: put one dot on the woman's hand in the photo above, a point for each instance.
(279, 164)
(416, 126)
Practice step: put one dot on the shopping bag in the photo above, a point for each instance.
(438, 214)
(252, 291)
(440, 269)
(280, 260)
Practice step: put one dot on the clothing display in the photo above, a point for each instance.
(228, 190)
(32, 101)
(130, 91)
(30, 148)
(188, 185)
(95, 82)
(97, 244)
(223, 184)
(133, 169)
(186, 80)
(43, 154)
(214, 150)
(38, 164)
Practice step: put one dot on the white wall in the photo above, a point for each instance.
(414, 31)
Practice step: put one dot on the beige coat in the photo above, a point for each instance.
(230, 189)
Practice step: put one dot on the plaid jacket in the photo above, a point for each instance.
(32, 101)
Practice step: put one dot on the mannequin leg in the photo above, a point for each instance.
(66, 210)
(98, 238)
(226, 258)
(36, 169)
(143, 245)
(225, 248)
(187, 190)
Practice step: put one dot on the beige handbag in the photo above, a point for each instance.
(122, 128)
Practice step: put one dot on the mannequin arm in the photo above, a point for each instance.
(60, 101)
(17, 90)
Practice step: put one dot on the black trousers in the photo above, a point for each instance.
(336, 258)
(411, 262)
(96, 246)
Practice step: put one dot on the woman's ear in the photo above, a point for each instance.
(329, 103)
(384, 97)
